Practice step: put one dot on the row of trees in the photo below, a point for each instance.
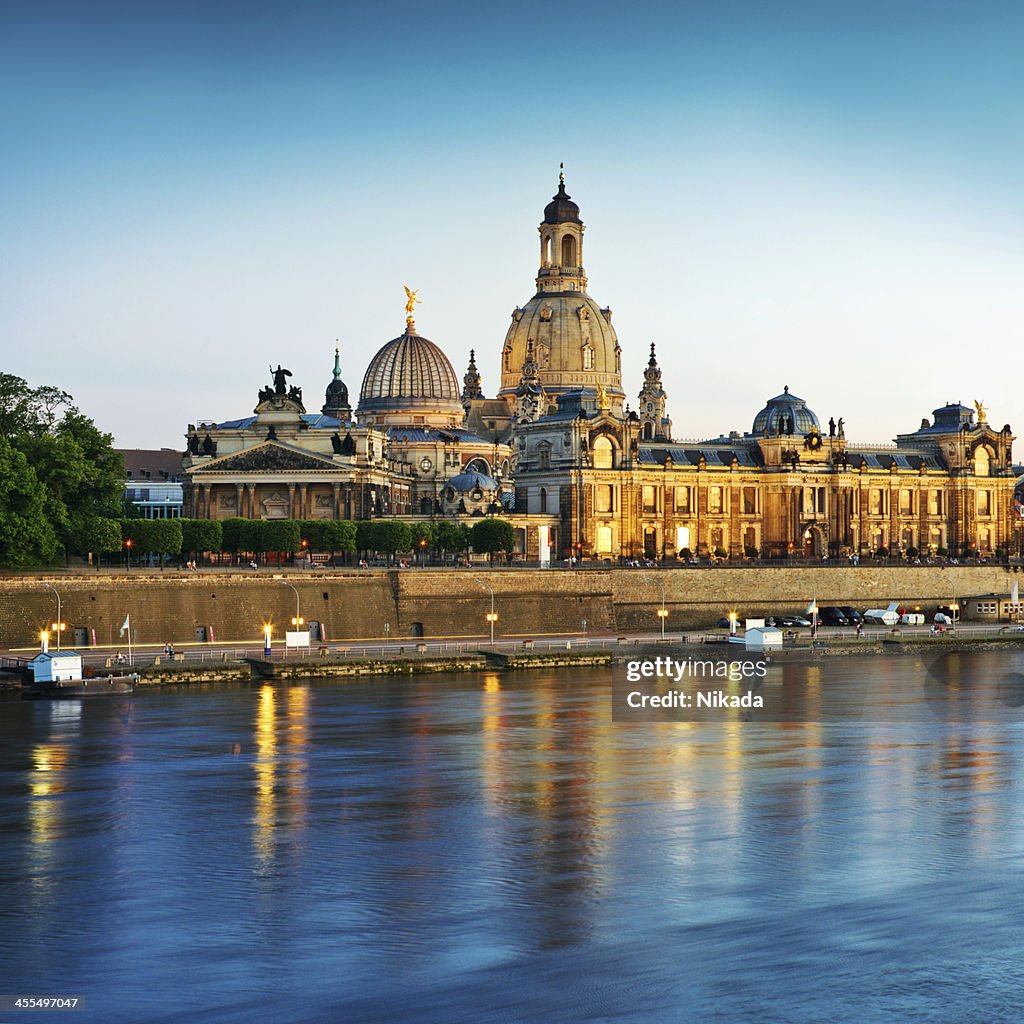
(284, 537)
(58, 474)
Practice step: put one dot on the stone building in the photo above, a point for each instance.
(581, 474)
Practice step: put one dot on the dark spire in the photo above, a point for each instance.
(336, 396)
(561, 208)
(472, 381)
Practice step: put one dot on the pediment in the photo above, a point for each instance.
(269, 457)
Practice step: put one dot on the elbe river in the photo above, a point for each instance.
(457, 849)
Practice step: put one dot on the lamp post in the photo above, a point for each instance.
(732, 623)
(128, 548)
(267, 629)
(298, 620)
(662, 611)
(492, 617)
(59, 626)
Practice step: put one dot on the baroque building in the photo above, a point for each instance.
(579, 473)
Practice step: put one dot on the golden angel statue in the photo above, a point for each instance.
(410, 304)
(602, 398)
(979, 408)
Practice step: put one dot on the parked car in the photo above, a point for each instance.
(853, 617)
(792, 621)
(833, 616)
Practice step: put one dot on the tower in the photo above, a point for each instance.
(573, 341)
(653, 418)
(336, 396)
(472, 383)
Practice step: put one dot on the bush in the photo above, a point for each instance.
(721, 553)
(686, 554)
(199, 535)
(750, 552)
(942, 552)
(912, 552)
(882, 552)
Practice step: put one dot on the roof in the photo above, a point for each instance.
(561, 208)
(453, 436)
(746, 456)
(409, 367)
(151, 463)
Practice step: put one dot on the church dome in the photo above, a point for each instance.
(410, 375)
(773, 418)
(469, 481)
(574, 344)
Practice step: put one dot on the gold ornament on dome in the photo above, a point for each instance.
(410, 304)
(602, 398)
(979, 408)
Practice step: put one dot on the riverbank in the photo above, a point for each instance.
(248, 670)
(415, 604)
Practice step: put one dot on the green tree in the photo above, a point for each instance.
(198, 535)
(281, 535)
(26, 536)
(235, 535)
(421, 538)
(490, 536)
(337, 535)
(153, 536)
(101, 536)
(82, 475)
(449, 537)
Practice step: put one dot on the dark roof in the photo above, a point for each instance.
(151, 463)
(450, 436)
(561, 208)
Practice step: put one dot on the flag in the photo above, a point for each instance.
(126, 625)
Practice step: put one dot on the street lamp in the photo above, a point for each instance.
(732, 623)
(59, 626)
(128, 546)
(267, 630)
(492, 617)
(298, 620)
(662, 611)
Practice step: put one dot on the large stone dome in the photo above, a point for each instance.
(773, 419)
(410, 381)
(574, 344)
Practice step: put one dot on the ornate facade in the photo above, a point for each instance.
(582, 474)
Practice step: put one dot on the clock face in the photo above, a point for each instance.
(425, 465)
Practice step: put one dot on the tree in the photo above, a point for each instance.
(153, 536)
(450, 536)
(492, 535)
(422, 537)
(393, 536)
(281, 535)
(198, 535)
(82, 475)
(101, 536)
(26, 536)
(235, 535)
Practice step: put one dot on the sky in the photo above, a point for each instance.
(820, 195)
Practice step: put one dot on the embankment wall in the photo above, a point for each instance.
(354, 605)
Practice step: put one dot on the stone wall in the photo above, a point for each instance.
(355, 605)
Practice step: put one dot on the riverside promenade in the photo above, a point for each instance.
(207, 609)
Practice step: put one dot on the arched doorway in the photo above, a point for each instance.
(813, 542)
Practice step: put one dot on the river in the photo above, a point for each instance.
(457, 849)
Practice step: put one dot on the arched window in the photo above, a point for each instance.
(982, 462)
(603, 453)
(568, 251)
(545, 250)
(648, 431)
(543, 500)
(588, 357)
(477, 465)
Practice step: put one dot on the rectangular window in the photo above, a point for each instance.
(906, 502)
(749, 501)
(875, 502)
(714, 499)
(649, 498)
(984, 503)
(935, 503)
(604, 540)
(604, 498)
(544, 458)
(683, 500)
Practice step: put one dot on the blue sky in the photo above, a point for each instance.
(820, 195)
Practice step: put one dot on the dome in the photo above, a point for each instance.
(465, 482)
(772, 419)
(561, 208)
(574, 344)
(410, 375)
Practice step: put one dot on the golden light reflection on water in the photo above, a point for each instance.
(281, 766)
